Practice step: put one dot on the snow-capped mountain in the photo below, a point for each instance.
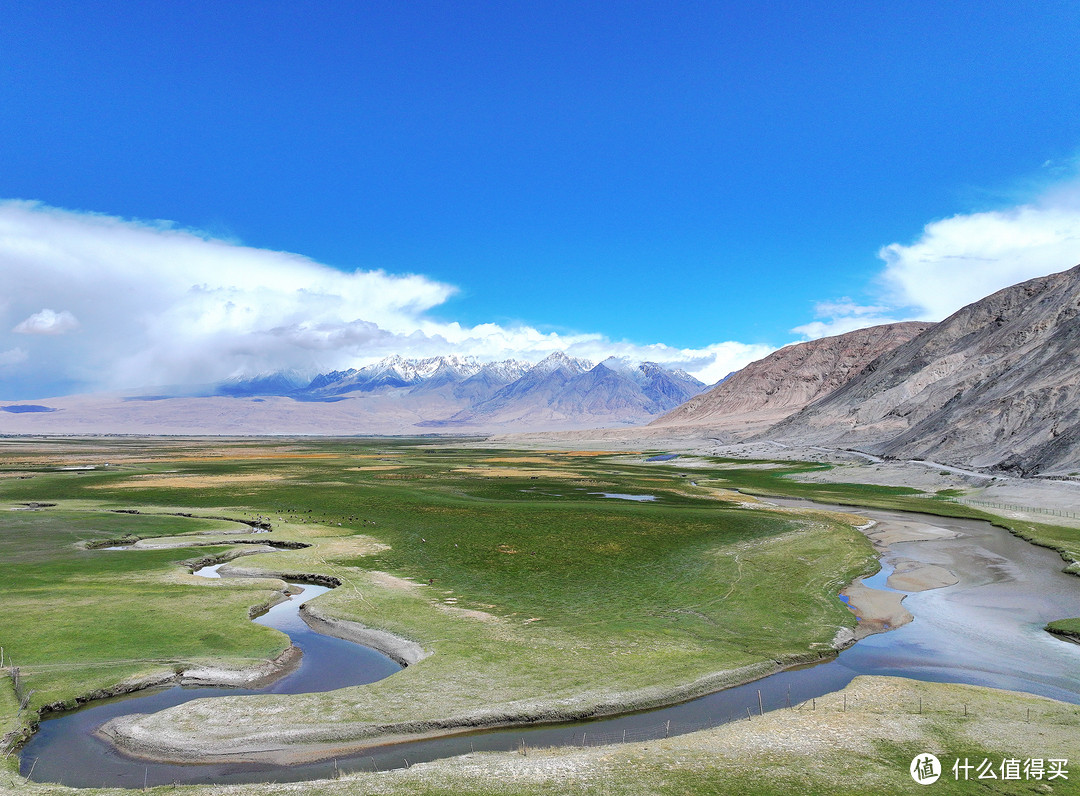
(571, 392)
(397, 395)
(396, 372)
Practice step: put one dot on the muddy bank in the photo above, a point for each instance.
(395, 647)
(912, 576)
(877, 611)
(1067, 635)
(255, 676)
(141, 736)
(880, 610)
(230, 571)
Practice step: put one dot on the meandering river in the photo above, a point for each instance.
(985, 630)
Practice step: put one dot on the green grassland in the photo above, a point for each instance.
(537, 597)
(528, 589)
(79, 619)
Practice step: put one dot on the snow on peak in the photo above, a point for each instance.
(416, 370)
(559, 360)
(622, 365)
(508, 370)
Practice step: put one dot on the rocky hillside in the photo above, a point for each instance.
(785, 381)
(995, 385)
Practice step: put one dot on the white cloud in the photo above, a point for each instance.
(843, 315)
(48, 322)
(157, 305)
(13, 356)
(961, 259)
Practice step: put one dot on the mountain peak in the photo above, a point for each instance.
(560, 361)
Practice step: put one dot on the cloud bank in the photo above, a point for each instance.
(95, 302)
(961, 259)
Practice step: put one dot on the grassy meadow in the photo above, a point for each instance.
(537, 596)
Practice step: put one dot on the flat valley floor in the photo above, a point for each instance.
(520, 586)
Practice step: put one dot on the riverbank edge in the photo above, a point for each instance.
(1067, 634)
(257, 675)
(397, 648)
(403, 651)
(329, 740)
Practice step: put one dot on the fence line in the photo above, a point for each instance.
(1072, 515)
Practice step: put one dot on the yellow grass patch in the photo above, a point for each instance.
(251, 456)
(516, 460)
(594, 453)
(186, 481)
(515, 472)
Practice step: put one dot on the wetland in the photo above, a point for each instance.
(494, 576)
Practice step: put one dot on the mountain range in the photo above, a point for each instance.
(448, 394)
(995, 386)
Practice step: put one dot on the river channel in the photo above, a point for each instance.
(984, 630)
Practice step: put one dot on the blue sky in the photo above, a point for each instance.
(562, 175)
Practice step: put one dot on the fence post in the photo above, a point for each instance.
(761, 710)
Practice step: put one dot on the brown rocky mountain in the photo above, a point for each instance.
(995, 385)
(785, 381)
